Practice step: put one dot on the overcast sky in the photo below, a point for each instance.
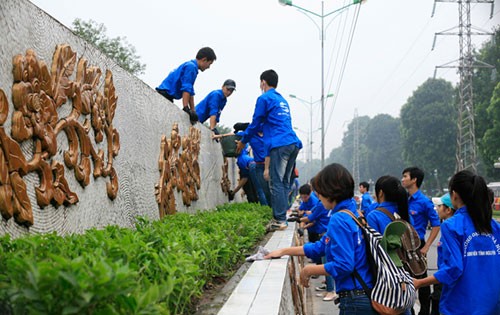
(389, 57)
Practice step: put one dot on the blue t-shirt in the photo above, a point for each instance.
(421, 209)
(211, 105)
(310, 203)
(344, 248)
(372, 207)
(379, 220)
(320, 217)
(258, 147)
(366, 201)
(469, 267)
(181, 80)
(273, 112)
(243, 160)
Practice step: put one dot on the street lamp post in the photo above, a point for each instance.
(310, 108)
(322, 16)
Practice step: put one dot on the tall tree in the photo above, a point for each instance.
(491, 138)
(383, 142)
(118, 49)
(428, 129)
(484, 82)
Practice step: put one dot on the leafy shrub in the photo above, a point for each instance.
(159, 267)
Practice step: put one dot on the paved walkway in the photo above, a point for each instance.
(319, 307)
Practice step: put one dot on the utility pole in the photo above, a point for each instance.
(355, 148)
(322, 30)
(466, 152)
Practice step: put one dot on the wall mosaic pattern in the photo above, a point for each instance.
(38, 94)
(178, 169)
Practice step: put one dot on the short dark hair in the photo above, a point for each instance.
(206, 52)
(305, 189)
(334, 182)
(415, 172)
(365, 184)
(271, 77)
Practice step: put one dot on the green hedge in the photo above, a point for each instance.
(158, 268)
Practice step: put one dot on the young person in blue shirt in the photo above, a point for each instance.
(283, 145)
(342, 244)
(259, 155)
(179, 84)
(366, 199)
(469, 267)
(391, 196)
(422, 213)
(212, 105)
(247, 167)
(445, 211)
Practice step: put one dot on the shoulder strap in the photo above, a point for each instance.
(387, 213)
(359, 221)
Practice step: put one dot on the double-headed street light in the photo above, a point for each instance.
(310, 108)
(322, 16)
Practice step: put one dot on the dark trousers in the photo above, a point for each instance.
(424, 293)
(165, 95)
(435, 298)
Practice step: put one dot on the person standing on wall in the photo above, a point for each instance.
(212, 105)
(283, 145)
(422, 212)
(179, 84)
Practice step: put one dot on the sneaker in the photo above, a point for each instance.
(278, 226)
(330, 296)
(321, 288)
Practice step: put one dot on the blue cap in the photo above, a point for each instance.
(443, 200)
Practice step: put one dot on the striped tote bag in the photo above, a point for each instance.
(394, 291)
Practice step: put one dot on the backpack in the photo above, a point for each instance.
(413, 260)
(394, 291)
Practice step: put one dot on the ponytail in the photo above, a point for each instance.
(394, 192)
(473, 191)
(402, 202)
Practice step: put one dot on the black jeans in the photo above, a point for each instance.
(165, 94)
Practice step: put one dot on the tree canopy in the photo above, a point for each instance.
(118, 49)
(428, 128)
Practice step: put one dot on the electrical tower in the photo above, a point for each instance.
(466, 152)
(355, 148)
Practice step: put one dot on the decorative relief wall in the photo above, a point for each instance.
(225, 183)
(37, 95)
(179, 170)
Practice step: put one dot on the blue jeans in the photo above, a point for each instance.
(252, 168)
(356, 305)
(280, 170)
(264, 184)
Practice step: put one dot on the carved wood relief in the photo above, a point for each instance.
(37, 94)
(178, 169)
(225, 183)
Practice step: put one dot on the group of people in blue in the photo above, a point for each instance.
(468, 274)
(270, 134)
(467, 279)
